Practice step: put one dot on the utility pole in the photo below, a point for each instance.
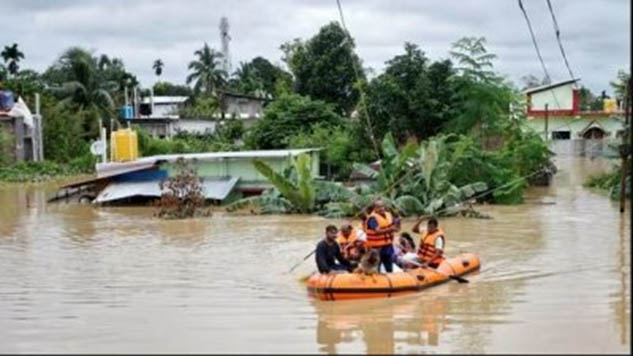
(546, 122)
(624, 148)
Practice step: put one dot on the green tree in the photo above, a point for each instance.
(620, 84)
(324, 67)
(288, 116)
(206, 72)
(482, 97)
(85, 89)
(246, 79)
(170, 89)
(413, 98)
(158, 67)
(12, 55)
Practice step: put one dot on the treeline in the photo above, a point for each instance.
(321, 98)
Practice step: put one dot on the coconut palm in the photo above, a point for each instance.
(85, 90)
(246, 79)
(12, 56)
(158, 67)
(206, 72)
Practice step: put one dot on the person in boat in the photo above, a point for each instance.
(404, 255)
(380, 227)
(351, 241)
(431, 249)
(328, 253)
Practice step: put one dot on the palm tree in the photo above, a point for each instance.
(85, 89)
(247, 79)
(158, 67)
(206, 72)
(12, 55)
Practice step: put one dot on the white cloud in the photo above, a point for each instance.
(594, 33)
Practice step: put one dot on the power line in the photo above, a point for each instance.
(560, 44)
(538, 52)
(362, 92)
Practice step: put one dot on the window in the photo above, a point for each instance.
(561, 135)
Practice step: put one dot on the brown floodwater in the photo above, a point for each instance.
(555, 277)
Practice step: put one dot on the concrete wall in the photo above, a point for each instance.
(243, 107)
(27, 141)
(564, 98)
(197, 126)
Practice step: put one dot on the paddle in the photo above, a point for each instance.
(457, 278)
(300, 262)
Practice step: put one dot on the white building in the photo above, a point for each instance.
(163, 106)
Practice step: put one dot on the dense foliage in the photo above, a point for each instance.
(288, 116)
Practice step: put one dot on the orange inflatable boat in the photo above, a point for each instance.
(341, 286)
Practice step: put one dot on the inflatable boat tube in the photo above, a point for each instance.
(342, 286)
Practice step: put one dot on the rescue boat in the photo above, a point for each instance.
(342, 286)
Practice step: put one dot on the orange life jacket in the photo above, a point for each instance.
(374, 238)
(427, 249)
(344, 241)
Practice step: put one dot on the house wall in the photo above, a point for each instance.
(163, 110)
(243, 168)
(574, 125)
(243, 107)
(27, 141)
(563, 94)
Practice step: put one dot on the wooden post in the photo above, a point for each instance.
(546, 122)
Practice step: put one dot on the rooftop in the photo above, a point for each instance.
(549, 86)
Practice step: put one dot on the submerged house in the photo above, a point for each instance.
(222, 173)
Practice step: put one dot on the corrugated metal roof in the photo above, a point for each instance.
(217, 189)
(549, 86)
(123, 167)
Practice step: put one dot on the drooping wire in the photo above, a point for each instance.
(362, 92)
(538, 52)
(560, 44)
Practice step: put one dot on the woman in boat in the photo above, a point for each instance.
(404, 251)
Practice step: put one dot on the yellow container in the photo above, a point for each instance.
(123, 145)
(609, 105)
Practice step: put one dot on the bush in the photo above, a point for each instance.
(340, 147)
(182, 196)
(37, 171)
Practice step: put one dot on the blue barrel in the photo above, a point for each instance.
(125, 112)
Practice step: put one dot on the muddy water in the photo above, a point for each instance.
(555, 277)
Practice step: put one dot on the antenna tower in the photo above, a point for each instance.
(225, 38)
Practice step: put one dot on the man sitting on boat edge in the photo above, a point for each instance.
(328, 252)
(431, 247)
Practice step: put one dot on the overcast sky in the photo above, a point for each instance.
(595, 33)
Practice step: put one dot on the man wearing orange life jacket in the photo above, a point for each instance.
(351, 241)
(432, 240)
(380, 227)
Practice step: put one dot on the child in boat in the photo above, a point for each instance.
(351, 241)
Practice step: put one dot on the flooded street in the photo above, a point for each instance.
(75, 278)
